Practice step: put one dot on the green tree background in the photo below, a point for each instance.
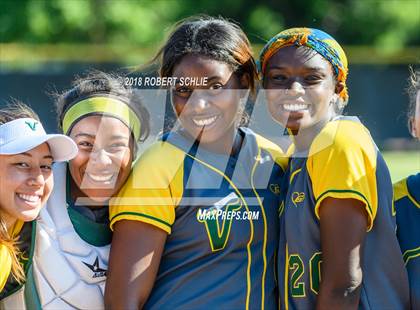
(43, 44)
(389, 26)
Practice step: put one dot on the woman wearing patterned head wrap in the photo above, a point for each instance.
(337, 220)
(319, 41)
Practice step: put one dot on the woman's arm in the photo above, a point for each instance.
(343, 228)
(134, 261)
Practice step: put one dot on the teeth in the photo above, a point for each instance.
(205, 122)
(101, 178)
(295, 107)
(29, 198)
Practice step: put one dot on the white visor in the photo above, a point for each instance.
(24, 134)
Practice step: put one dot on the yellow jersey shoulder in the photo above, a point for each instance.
(159, 153)
(279, 156)
(400, 189)
(341, 135)
(153, 189)
(161, 161)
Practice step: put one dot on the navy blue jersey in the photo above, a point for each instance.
(407, 206)
(342, 163)
(220, 213)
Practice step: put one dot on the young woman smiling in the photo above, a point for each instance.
(184, 236)
(338, 248)
(26, 157)
(106, 120)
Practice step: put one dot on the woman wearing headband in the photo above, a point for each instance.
(106, 120)
(338, 248)
(26, 157)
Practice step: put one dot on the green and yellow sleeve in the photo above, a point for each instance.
(342, 164)
(153, 190)
(400, 189)
(280, 157)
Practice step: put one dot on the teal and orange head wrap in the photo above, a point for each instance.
(318, 40)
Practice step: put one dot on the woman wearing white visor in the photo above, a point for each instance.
(26, 157)
(70, 260)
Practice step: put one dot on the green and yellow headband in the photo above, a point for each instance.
(102, 105)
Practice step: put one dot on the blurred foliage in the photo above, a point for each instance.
(388, 24)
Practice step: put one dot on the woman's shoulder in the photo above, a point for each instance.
(161, 151)
(347, 129)
(400, 189)
(273, 149)
(160, 157)
(343, 134)
(407, 197)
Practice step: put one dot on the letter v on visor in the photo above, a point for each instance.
(24, 134)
